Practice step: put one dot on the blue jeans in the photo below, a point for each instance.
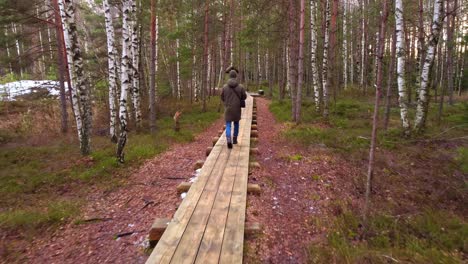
(228, 130)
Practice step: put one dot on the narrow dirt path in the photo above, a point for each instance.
(299, 183)
(150, 192)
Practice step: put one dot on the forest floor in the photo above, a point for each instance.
(309, 207)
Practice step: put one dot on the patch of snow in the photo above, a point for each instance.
(131, 225)
(183, 195)
(9, 91)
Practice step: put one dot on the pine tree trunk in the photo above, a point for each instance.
(205, 56)
(345, 48)
(152, 92)
(125, 78)
(293, 58)
(370, 171)
(363, 45)
(401, 55)
(112, 71)
(300, 74)
(325, 71)
(313, 53)
(61, 68)
(451, 47)
(391, 72)
(179, 92)
(423, 100)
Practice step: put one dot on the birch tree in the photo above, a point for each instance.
(135, 51)
(112, 70)
(401, 54)
(325, 72)
(124, 78)
(313, 53)
(81, 103)
(423, 100)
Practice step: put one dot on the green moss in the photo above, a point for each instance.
(31, 218)
(431, 237)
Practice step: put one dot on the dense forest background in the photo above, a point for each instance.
(381, 84)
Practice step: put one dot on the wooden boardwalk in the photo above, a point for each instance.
(208, 226)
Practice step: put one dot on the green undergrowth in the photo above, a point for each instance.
(32, 218)
(348, 128)
(33, 175)
(430, 237)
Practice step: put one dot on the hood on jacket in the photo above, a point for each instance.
(232, 83)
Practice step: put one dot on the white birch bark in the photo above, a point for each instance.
(345, 48)
(80, 81)
(135, 49)
(179, 89)
(401, 55)
(421, 109)
(124, 78)
(74, 95)
(325, 72)
(112, 71)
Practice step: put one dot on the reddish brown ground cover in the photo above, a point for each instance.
(303, 189)
(298, 185)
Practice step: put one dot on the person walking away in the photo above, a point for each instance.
(232, 95)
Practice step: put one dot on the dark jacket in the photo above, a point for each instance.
(230, 97)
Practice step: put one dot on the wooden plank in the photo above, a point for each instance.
(165, 248)
(233, 242)
(210, 214)
(210, 247)
(207, 202)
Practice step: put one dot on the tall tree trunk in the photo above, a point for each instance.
(423, 100)
(205, 56)
(313, 53)
(61, 67)
(79, 81)
(370, 170)
(300, 74)
(391, 77)
(345, 48)
(325, 70)
(135, 50)
(421, 34)
(401, 55)
(292, 57)
(451, 15)
(179, 89)
(125, 78)
(363, 44)
(152, 99)
(111, 55)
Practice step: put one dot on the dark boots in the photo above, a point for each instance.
(234, 140)
(229, 144)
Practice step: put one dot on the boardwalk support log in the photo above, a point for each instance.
(157, 230)
(199, 164)
(208, 151)
(251, 188)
